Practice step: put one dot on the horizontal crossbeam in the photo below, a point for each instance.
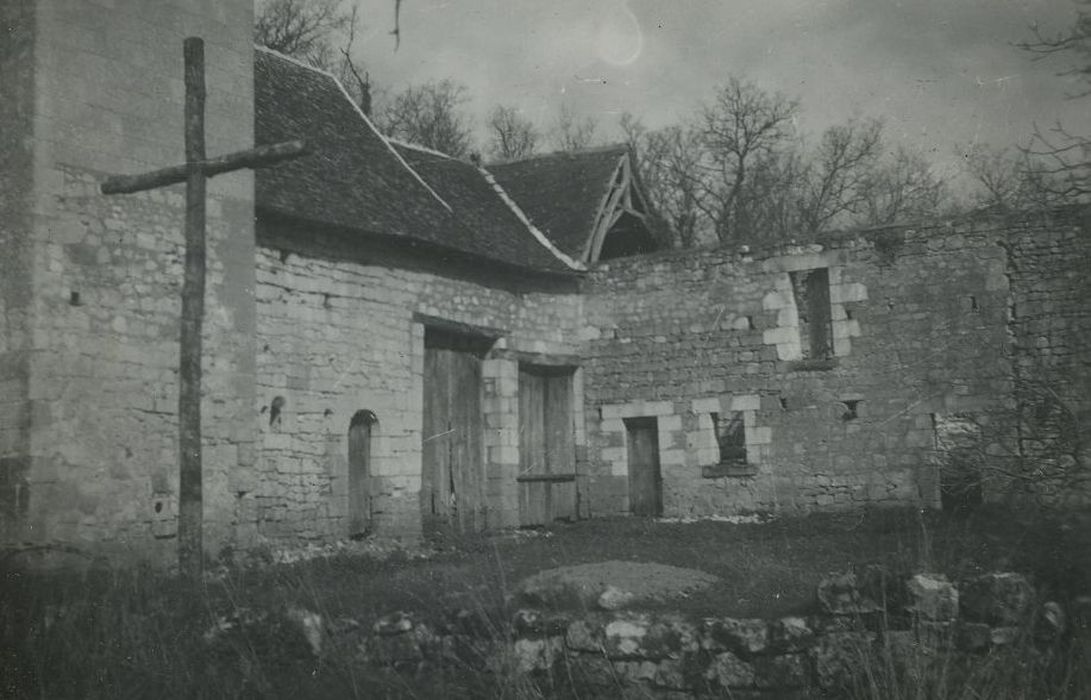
(253, 158)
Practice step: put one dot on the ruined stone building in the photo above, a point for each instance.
(397, 341)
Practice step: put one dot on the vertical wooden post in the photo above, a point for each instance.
(194, 172)
(190, 502)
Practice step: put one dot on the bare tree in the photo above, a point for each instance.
(902, 187)
(667, 162)
(430, 115)
(836, 176)
(511, 135)
(743, 125)
(303, 29)
(572, 133)
(1058, 159)
(319, 32)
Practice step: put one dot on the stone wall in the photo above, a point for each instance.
(105, 272)
(340, 330)
(16, 191)
(1050, 334)
(871, 622)
(919, 332)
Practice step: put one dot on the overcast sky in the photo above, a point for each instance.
(938, 71)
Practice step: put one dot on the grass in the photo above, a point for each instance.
(136, 633)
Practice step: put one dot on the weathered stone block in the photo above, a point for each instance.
(933, 597)
(741, 636)
(537, 654)
(790, 634)
(998, 599)
(729, 671)
(585, 635)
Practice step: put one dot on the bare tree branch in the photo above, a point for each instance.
(512, 136)
(430, 115)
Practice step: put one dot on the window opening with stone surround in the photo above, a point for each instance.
(811, 290)
(730, 430)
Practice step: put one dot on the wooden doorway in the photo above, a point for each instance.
(547, 445)
(453, 464)
(360, 473)
(645, 479)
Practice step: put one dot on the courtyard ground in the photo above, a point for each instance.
(133, 633)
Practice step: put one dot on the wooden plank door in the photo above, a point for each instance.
(547, 450)
(645, 480)
(360, 473)
(533, 494)
(452, 479)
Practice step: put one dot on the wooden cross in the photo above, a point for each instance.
(194, 172)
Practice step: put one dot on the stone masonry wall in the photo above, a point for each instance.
(16, 179)
(1050, 326)
(336, 334)
(919, 326)
(868, 622)
(106, 272)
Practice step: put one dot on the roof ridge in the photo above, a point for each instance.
(618, 146)
(525, 220)
(423, 149)
(363, 116)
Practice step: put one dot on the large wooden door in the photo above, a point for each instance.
(645, 480)
(547, 450)
(453, 465)
(360, 473)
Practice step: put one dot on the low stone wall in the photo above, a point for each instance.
(871, 615)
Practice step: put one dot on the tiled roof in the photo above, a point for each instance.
(472, 192)
(561, 193)
(354, 178)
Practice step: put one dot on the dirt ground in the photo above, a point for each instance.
(615, 583)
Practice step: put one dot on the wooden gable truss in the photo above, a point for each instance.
(623, 202)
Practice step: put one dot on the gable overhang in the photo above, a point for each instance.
(623, 196)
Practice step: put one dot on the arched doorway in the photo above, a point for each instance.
(360, 429)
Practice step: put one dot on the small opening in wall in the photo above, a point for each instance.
(284, 254)
(730, 436)
(74, 298)
(328, 412)
(783, 403)
(275, 408)
(973, 303)
(851, 409)
(325, 301)
(159, 506)
(848, 314)
(750, 323)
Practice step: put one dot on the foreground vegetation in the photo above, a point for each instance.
(136, 633)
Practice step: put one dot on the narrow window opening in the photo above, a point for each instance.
(783, 403)
(811, 289)
(74, 298)
(973, 303)
(750, 323)
(325, 301)
(274, 410)
(730, 436)
(851, 409)
(361, 426)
